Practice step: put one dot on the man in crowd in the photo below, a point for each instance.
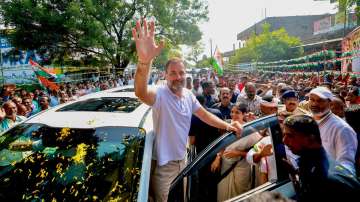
(44, 103)
(338, 138)
(353, 96)
(11, 118)
(188, 83)
(337, 106)
(234, 92)
(173, 106)
(321, 178)
(224, 105)
(291, 101)
(209, 92)
(197, 90)
(7, 91)
(250, 98)
(28, 104)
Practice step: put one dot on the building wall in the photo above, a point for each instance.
(299, 26)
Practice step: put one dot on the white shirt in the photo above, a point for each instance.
(172, 119)
(197, 92)
(253, 105)
(339, 140)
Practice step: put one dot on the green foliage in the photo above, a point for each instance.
(204, 63)
(195, 51)
(102, 28)
(348, 4)
(268, 46)
(168, 52)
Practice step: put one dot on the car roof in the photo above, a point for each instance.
(89, 119)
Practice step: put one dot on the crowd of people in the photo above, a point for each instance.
(17, 104)
(317, 114)
(333, 103)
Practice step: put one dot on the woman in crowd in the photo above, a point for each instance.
(232, 162)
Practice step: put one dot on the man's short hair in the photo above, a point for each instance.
(173, 61)
(5, 104)
(206, 84)
(196, 80)
(223, 89)
(305, 125)
(45, 96)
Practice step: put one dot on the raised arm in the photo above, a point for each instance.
(147, 50)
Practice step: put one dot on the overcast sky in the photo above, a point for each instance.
(229, 17)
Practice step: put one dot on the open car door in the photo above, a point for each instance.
(183, 188)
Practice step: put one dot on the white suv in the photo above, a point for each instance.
(99, 148)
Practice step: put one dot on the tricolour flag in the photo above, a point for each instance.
(44, 74)
(43, 71)
(217, 62)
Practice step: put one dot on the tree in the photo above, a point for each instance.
(101, 28)
(168, 52)
(195, 51)
(204, 62)
(268, 46)
(345, 5)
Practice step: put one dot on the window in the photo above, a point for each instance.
(104, 104)
(124, 90)
(67, 164)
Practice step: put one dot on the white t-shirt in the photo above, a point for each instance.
(339, 140)
(172, 119)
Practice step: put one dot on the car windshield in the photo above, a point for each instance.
(124, 90)
(104, 104)
(69, 164)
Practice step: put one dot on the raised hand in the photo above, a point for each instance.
(146, 47)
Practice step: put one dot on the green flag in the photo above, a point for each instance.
(217, 62)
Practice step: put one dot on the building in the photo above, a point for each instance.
(299, 26)
(316, 32)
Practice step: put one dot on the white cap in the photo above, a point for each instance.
(322, 92)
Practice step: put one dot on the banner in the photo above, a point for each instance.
(351, 43)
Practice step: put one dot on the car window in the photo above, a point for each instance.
(235, 175)
(124, 90)
(104, 104)
(46, 163)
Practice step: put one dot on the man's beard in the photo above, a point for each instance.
(176, 86)
(319, 114)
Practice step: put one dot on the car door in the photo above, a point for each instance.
(186, 186)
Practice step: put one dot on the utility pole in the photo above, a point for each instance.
(211, 49)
